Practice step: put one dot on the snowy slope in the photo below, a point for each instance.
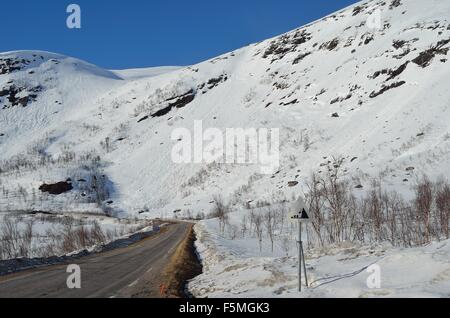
(138, 73)
(234, 269)
(337, 87)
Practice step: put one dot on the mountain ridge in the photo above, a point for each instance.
(338, 90)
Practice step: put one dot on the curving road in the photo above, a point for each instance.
(133, 271)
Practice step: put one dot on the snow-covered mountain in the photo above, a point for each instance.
(368, 84)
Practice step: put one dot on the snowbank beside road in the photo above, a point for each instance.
(232, 269)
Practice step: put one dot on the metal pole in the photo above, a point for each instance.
(304, 266)
(299, 256)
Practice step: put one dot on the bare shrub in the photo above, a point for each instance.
(374, 211)
(233, 231)
(281, 216)
(443, 207)
(97, 234)
(27, 239)
(106, 145)
(315, 203)
(338, 198)
(200, 216)
(269, 218)
(10, 237)
(244, 226)
(286, 243)
(379, 215)
(66, 234)
(258, 222)
(220, 211)
(423, 203)
(15, 243)
(99, 186)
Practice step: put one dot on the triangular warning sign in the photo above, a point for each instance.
(304, 215)
(299, 212)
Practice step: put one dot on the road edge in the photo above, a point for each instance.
(183, 266)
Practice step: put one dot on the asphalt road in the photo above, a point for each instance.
(134, 271)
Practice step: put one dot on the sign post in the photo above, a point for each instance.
(300, 215)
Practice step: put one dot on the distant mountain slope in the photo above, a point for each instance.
(377, 97)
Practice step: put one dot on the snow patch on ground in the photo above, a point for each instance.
(234, 269)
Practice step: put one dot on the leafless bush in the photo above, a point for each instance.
(375, 214)
(106, 145)
(339, 203)
(220, 211)
(443, 207)
(99, 185)
(201, 176)
(379, 215)
(27, 239)
(258, 222)
(269, 219)
(200, 216)
(97, 234)
(74, 239)
(13, 243)
(244, 226)
(282, 218)
(315, 203)
(67, 234)
(423, 203)
(91, 127)
(10, 237)
(262, 203)
(233, 231)
(286, 243)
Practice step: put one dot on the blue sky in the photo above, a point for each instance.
(119, 34)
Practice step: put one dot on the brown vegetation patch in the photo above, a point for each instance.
(11, 93)
(285, 44)
(357, 10)
(10, 65)
(179, 102)
(183, 266)
(398, 44)
(392, 73)
(56, 188)
(300, 57)
(399, 70)
(424, 59)
(331, 45)
(341, 99)
(395, 4)
(385, 88)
